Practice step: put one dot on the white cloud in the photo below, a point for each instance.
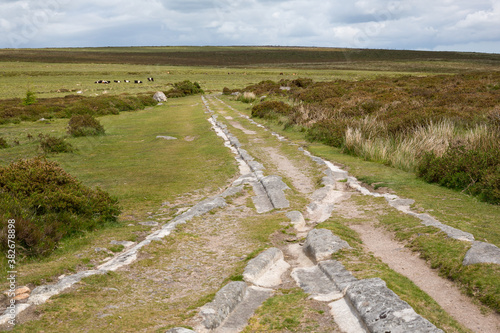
(399, 24)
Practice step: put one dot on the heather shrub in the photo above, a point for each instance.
(84, 125)
(469, 169)
(14, 110)
(48, 204)
(330, 132)
(3, 143)
(184, 88)
(51, 144)
(271, 109)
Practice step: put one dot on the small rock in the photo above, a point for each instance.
(103, 315)
(22, 290)
(101, 249)
(124, 243)
(149, 223)
(21, 297)
(481, 252)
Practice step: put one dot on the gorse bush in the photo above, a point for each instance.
(48, 204)
(84, 125)
(51, 144)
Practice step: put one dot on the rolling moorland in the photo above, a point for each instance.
(400, 121)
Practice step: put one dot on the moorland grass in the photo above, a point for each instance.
(131, 164)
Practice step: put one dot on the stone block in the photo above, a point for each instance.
(320, 244)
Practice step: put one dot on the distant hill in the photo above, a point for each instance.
(235, 56)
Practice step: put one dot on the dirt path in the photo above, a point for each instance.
(299, 179)
(407, 263)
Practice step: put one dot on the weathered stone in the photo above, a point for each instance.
(226, 299)
(482, 253)
(123, 243)
(383, 311)
(346, 317)
(320, 244)
(337, 173)
(238, 318)
(297, 219)
(149, 223)
(274, 187)
(180, 330)
(337, 273)
(166, 137)
(159, 96)
(313, 281)
(21, 296)
(231, 191)
(266, 269)
(42, 293)
(22, 290)
(199, 209)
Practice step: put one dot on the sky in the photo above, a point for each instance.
(435, 25)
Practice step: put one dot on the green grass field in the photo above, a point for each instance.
(143, 172)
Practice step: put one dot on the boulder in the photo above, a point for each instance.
(160, 97)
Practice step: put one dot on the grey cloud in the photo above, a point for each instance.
(408, 24)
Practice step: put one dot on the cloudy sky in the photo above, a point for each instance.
(458, 25)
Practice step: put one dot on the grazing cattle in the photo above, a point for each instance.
(117, 81)
(126, 81)
(150, 79)
(137, 81)
(281, 73)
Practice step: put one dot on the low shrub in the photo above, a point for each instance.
(84, 125)
(271, 109)
(48, 204)
(51, 144)
(3, 143)
(184, 88)
(330, 132)
(30, 98)
(474, 171)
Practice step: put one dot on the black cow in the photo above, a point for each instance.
(137, 81)
(150, 79)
